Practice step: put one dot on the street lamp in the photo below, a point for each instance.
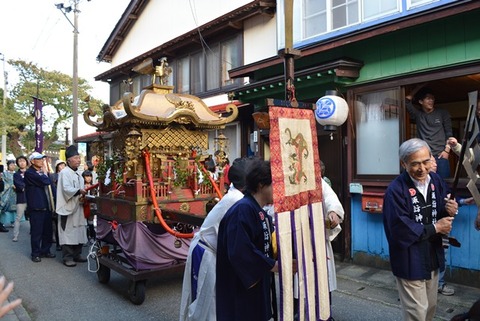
(65, 10)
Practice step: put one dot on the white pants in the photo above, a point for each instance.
(20, 212)
(418, 298)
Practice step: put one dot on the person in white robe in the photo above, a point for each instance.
(334, 214)
(198, 291)
(71, 220)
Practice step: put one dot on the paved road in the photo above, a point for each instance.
(51, 291)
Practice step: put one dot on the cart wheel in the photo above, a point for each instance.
(103, 274)
(137, 292)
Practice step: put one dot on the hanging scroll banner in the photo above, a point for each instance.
(37, 107)
(297, 195)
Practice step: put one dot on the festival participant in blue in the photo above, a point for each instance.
(244, 255)
(416, 212)
(39, 206)
(198, 293)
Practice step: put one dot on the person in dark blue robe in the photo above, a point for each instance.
(40, 206)
(416, 211)
(244, 255)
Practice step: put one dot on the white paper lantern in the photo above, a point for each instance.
(332, 111)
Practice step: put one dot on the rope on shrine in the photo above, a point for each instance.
(214, 184)
(156, 208)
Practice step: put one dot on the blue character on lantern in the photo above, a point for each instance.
(325, 108)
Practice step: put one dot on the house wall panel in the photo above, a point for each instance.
(164, 20)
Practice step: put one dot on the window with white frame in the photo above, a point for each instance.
(323, 16)
(378, 8)
(416, 3)
(314, 17)
(344, 13)
(377, 124)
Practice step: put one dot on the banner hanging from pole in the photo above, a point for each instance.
(38, 106)
(297, 200)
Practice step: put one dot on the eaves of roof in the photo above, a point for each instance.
(229, 21)
(443, 12)
(123, 26)
(343, 69)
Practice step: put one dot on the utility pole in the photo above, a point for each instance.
(66, 10)
(4, 136)
(289, 54)
(75, 73)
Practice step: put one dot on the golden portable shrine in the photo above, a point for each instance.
(153, 186)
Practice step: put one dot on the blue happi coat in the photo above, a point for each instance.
(244, 261)
(415, 248)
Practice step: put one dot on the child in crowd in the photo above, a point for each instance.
(87, 210)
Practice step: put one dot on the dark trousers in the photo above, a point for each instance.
(71, 252)
(40, 232)
(443, 167)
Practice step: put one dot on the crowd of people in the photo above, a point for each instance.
(231, 259)
(231, 262)
(52, 201)
(419, 210)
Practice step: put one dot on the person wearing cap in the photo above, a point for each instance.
(71, 221)
(59, 165)
(40, 206)
(198, 292)
(19, 182)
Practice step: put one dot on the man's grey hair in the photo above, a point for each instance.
(411, 146)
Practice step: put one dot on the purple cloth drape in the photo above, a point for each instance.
(143, 248)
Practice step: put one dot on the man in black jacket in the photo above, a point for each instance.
(39, 194)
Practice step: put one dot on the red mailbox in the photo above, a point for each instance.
(372, 202)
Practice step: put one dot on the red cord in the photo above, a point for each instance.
(158, 212)
(213, 182)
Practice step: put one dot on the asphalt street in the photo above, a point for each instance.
(50, 291)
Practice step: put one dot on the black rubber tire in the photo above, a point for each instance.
(103, 274)
(137, 292)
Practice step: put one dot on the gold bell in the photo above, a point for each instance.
(177, 243)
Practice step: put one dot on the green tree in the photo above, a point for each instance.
(55, 90)
(13, 124)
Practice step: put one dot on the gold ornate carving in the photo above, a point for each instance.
(162, 72)
(174, 139)
(179, 103)
(142, 214)
(185, 207)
